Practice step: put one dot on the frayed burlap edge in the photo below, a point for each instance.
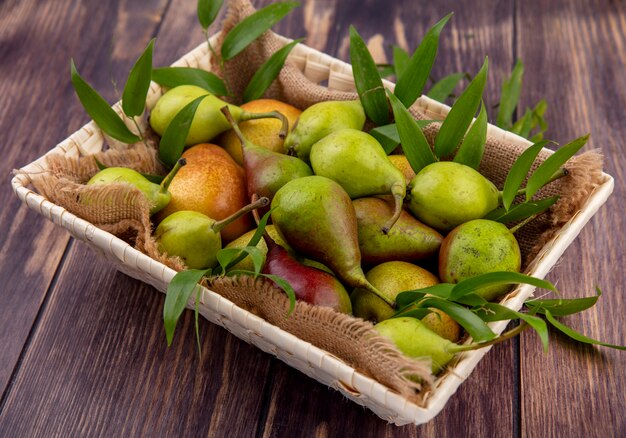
(353, 340)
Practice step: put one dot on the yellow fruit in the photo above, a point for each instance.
(213, 184)
(261, 132)
(403, 165)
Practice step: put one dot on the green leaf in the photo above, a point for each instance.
(472, 300)
(443, 89)
(252, 27)
(256, 238)
(518, 172)
(174, 76)
(367, 80)
(470, 285)
(441, 290)
(414, 143)
(411, 81)
(385, 70)
(509, 97)
(475, 326)
(461, 114)
(412, 312)
(400, 60)
(173, 140)
(521, 211)
(471, 150)
(563, 307)
(138, 83)
(388, 137)
(99, 110)
(285, 286)
(226, 256)
(548, 168)
(578, 336)
(523, 126)
(266, 74)
(207, 12)
(178, 292)
(490, 312)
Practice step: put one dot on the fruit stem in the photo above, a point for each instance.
(245, 115)
(455, 348)
(261, 202)
(226, 111)
(165, 184)
(367, 285)
(398, 191)
(266, 236)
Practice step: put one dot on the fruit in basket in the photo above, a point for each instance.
(157, 194)
(416, 340)
(479, 247)
(242, 241)
(310, 285)
(262, 132)
(208, 121)
(446, 194)
(321, 119)
(213, 184)
(402, 164)
(266, 171)
(409, 239)
(316, 217)
(195, 237)
(356, 161)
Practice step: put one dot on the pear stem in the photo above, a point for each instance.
(455, 348)
(165, 184)
(367, 285)
(245, 115)
(261, 202)
(266, 236)
(231, 120)
(399, 192)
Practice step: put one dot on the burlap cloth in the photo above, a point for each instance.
(123, 211)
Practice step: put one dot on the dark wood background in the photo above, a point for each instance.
(82, 347)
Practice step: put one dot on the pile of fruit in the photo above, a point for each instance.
(365, 222)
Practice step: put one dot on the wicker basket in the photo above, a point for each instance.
(304, 356)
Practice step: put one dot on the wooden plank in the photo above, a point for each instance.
(99, 365)
(477, 409)
(37, 110)
(575, 58)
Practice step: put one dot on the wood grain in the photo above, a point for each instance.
(37, 110)
(575, 58)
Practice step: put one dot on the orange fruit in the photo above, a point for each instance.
(261, 132)
(401, 163)
(212, 184)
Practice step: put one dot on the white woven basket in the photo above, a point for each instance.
(304, 356)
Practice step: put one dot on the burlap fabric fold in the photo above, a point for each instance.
(123, 211)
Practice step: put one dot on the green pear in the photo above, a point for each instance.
(360, 165)
(208, 121)
(415, 340)
(157, 194)
(479, 247)
(409, 240)
(319, 120)
(446, 194)
(316, 217)
(195, 237)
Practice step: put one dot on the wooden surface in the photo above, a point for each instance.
(82, 349)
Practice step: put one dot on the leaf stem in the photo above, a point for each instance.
(141, 136)
(455, 348)
(221, 62)
(529, 219)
